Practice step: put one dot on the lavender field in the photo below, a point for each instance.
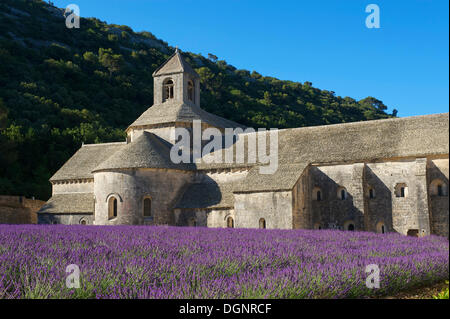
(170, 262)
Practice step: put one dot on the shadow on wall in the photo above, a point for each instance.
(378, 203)
(191, 207)
(334, 209)
(438, 199)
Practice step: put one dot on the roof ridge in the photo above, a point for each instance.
(102, 144)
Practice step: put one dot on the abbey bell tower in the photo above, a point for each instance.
(176, 82)
(176, 103)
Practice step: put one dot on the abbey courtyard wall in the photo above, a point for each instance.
(19, 210)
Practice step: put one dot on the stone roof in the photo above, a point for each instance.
(207, 195)
(81, 164)
(147, 151)
(417, 136)
(172, 112)
(73, 203)
(175, 64)
(284, 178)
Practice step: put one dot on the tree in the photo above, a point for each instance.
(113, 62)
(373, 102)
(212, 57)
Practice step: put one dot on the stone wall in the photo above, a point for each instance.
(438, 171)
(400, 214)
(330, 210)
(66, 219)
(85, 186)
(301, 198)
(19, 210)
(211, 218)
(130, 187)
(274, 207)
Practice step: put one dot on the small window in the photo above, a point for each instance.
(83, 222)
(401, 190)
(440, 191)
(191, 91)
(168, 88)
(112, 208)
(438, 188)
(230, 222)
(349, 225)
(381, 228)
(147, 207)
(317, 194)
(262, 223)
(342, 193)
(371, 193)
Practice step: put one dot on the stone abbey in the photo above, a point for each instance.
(381, 176)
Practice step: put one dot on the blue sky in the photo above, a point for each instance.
(404, 63)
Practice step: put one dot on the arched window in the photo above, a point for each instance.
(83, 221)
(112, 208)
(349, 225)
(317, 194)
(381, 228)
(342, 193)
(438, 188)
(168, 89)
(191, 91)
(401, 190)
(230, 222)
(262, 223)
(147, 207)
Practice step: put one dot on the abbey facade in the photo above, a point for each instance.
(381, 176)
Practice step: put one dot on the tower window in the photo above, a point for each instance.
(112, 208)
(168, 90)
(262, 223)
(440, 191)
(191, 91)
(147, 207)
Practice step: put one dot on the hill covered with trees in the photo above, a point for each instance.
(61, 87)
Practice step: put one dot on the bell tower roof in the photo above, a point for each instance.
(175, 64)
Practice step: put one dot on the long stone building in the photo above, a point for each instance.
(382, 176)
